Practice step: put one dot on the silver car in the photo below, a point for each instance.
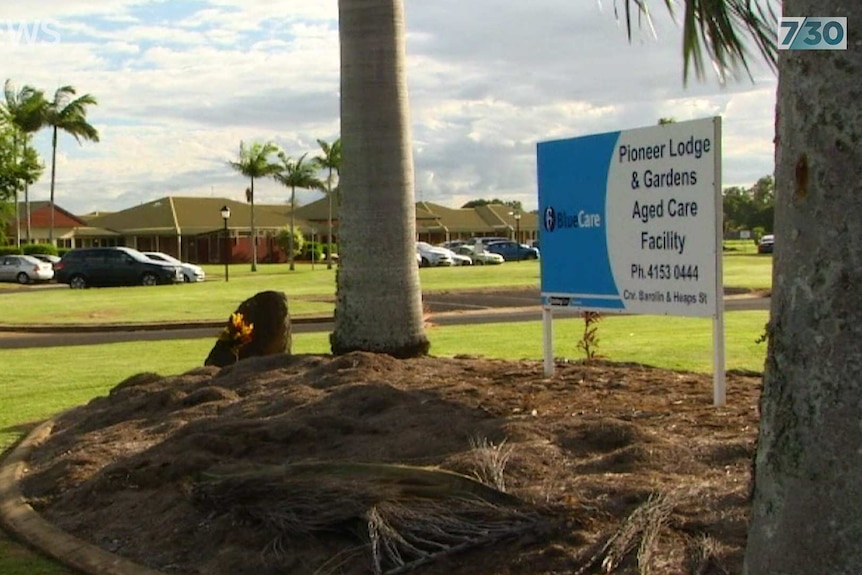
(24, 269)
(191, 272)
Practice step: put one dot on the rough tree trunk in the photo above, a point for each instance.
(807, 508)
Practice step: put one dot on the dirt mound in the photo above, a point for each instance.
(316, 464)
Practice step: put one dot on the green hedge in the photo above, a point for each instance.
(47, 249)
(9, 250)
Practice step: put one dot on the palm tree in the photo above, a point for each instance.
(69, 115)
(329, 160)
(25, 111)
(15, 170)
(378, 302)
(254, 162)
(295, 174)
(378, 299)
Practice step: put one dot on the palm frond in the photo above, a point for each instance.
(721, 29)
(25, 109)
(254, 160)
(297, 173)
(70, 116)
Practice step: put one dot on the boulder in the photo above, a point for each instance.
(259, 326)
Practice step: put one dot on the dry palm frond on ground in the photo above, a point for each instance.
(403, 516)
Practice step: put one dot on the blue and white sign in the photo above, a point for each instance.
(630, 220)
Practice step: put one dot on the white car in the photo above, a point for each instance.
(433, 256)
(191, 272)
(24, 269)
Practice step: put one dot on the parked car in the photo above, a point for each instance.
(480, 255)
(24, 269)
(85, 267)
(191, 272)
(47, 258)
(434, 256)
(453, 244)
(766, 244)
(513, 251)
(485, 240)
(458, 259)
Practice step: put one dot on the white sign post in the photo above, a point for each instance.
(631, 223)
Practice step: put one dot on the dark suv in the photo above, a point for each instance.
(85, 267)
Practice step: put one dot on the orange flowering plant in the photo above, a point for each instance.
(238, 333)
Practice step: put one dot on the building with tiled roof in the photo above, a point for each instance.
(192, 228)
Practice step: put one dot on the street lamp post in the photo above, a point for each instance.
(225, 215)
(516, 215)
(518, 227)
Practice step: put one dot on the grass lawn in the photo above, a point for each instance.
(310, 291)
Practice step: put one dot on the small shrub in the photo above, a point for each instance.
(283, 240)
(312, 250)
(319, 249)
(589, 342)
(757, 233)
(10, 250)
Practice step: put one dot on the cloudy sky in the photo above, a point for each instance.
(181, 83)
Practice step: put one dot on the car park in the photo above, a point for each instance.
(433, 256)
(24, 269)
(117, 266)
(191, 272)
(766, 244)
(513, 251)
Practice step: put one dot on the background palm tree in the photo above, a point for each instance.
(25, 111)
(254, 162)
(296, 173)
(16, 169)
(69, 115)
(329, 160)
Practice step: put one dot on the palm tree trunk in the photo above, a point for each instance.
(17, 218)
(805, 514)
(379, 302)
(26, 195)
(27, 209)
(329, 222)
(253, 231)
(53, 178)
(290, 249)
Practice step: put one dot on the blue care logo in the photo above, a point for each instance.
(550, 220)
(561, 219)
